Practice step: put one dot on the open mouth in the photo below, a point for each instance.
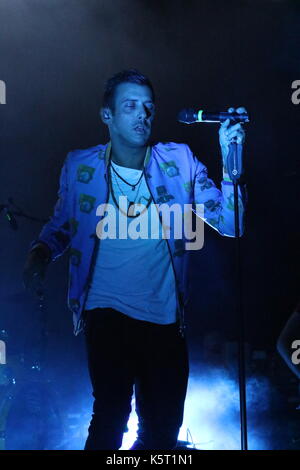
(140, 129)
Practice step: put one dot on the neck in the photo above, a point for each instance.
(128, 157)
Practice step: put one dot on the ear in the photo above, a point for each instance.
(106, 115)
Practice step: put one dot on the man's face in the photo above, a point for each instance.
(130, 123)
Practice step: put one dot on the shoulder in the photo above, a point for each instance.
(171, 151)
(86, 156)
(170, 147)
(179, 152)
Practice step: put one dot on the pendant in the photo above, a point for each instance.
(133, 188)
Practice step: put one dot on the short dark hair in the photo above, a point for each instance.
(126, 76)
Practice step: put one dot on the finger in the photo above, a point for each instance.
(231, 110)
(235, 134)
(235, 127)
(238, 140)
(241, 109)
(236, 137)
(225, 124)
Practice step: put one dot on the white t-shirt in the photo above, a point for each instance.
(134, 276)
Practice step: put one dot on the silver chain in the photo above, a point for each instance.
(137, 190)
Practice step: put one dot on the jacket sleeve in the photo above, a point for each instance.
(218, 204)
(56, 232)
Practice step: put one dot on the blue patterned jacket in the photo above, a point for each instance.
(173, 175)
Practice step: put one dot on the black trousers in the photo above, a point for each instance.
(124, 353)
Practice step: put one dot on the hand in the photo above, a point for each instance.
(231, 133)
(35, 269)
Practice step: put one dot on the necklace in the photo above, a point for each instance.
(131, 203)
(120, 189)
(129, 184)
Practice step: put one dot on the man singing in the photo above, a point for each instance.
(128, 293)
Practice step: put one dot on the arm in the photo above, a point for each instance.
(53, 239)
(218, 204)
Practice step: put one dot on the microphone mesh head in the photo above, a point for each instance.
(187, 116)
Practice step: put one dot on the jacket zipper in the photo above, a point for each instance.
(182, 325)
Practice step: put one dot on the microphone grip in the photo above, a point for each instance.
(222, 116)
(190, 116)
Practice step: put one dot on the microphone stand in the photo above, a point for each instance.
(42, 340)
(35, 384)
(11, 210)
(235, 170)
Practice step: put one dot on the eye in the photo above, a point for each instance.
(150, 107)
(129, 105)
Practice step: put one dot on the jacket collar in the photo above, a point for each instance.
(108, 154)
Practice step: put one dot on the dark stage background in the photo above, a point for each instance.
(55, 57)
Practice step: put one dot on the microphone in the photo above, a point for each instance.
(190, 116)
(12, 221)
(9, 216)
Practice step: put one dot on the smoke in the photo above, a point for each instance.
(211, 419)
(212, 410)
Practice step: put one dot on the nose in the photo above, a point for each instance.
(143, 112)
